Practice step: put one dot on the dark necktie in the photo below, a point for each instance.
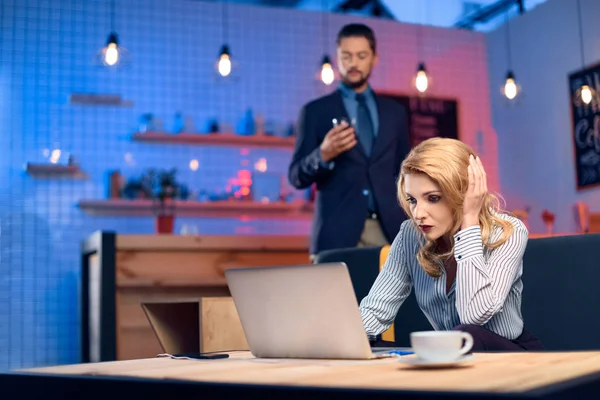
(364, 123)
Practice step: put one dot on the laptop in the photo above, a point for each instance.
(301, 311)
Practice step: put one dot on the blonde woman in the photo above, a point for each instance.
(459, 252)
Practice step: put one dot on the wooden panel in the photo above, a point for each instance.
(151, 268)
(169, 267)
(488, 372)
(257, 243)
(244, 210)
(134, 343)
(129, 309)
(135, 337)
(220, 326)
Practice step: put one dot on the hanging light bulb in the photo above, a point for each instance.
(327, 75)
(510, 86)
(422, 80)
(224, 63)
(586, 94)
(111, 51)
(113, 54)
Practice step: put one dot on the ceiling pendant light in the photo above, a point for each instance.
(510, 89)
(111, 51)
(510, 86)
(327, 74)
(422, 80)
(112, 54)
(224, 63)
(585, 93)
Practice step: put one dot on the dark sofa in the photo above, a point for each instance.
(561, 295)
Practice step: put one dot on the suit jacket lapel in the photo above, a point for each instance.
(384, 135)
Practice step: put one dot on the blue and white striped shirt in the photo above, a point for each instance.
(487, 289)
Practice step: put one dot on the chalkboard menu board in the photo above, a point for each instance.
(429, 117)
(586, 127)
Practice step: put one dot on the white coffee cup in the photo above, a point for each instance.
(440, 346)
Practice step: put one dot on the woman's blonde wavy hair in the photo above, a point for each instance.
(445, 161)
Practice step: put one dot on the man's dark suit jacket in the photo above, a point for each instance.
(341, 203)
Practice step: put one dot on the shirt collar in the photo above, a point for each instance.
(350, 93)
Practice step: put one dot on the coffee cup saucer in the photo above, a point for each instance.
(420, 363)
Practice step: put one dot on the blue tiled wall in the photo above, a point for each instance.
(47, 51)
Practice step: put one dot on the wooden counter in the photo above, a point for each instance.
(121, 271)
(519, 375)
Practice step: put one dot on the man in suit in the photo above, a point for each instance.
(355, 165)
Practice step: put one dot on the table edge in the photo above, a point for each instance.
(37, 384)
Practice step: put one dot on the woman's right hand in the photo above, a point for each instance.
(476, 193)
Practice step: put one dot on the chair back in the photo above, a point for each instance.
(364, 264)
(561, 295)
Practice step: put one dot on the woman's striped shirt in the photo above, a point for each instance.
(487, 289)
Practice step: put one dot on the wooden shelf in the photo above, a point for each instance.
(153, 242)
(217, 209)
(216, 139)
(53, 169)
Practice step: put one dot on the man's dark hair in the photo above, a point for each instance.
(358, 30)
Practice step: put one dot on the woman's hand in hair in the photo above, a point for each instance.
(476, 192)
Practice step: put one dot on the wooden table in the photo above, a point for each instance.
(568, 375)
(118, 272)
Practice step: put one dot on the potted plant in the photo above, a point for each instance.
(135, 189)
(548, 219)
(164, 190)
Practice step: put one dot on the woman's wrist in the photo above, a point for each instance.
(469, 221)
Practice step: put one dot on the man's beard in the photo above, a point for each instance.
(355, 84)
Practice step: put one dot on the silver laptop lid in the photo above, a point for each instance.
(303, 311)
